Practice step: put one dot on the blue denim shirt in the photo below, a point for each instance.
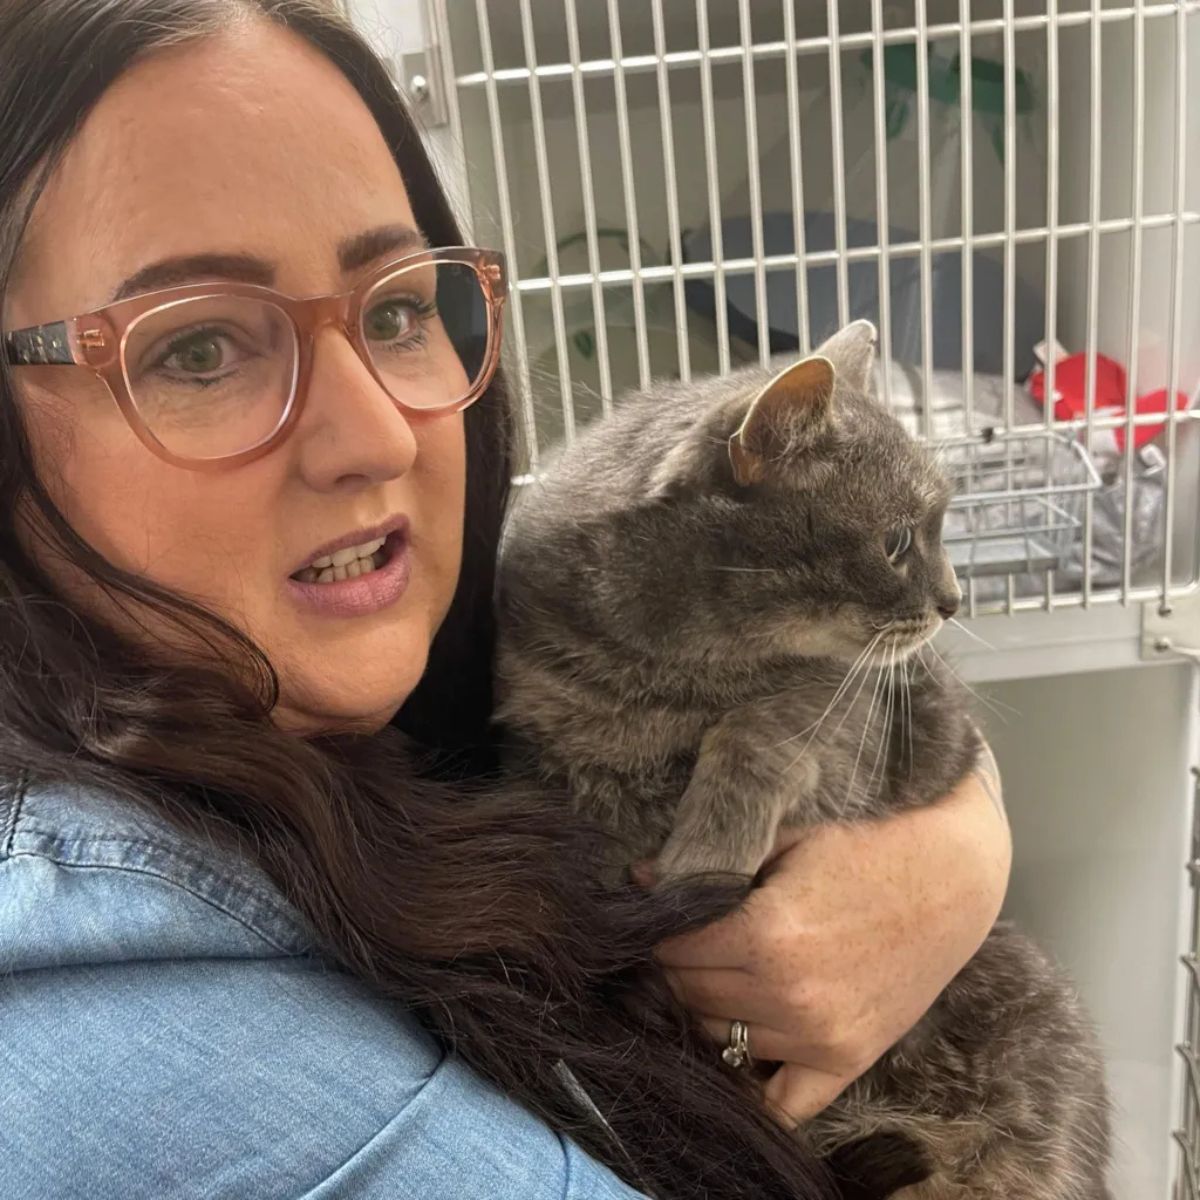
(166, 1032)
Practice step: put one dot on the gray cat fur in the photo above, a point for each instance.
(683, 596)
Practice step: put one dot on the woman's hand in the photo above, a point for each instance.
(854, 933)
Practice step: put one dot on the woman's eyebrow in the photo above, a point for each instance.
(354, 252)
(188, 268)
(362, 249)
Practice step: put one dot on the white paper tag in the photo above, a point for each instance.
(1039, 352)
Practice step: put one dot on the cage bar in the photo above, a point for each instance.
(837, 136)
(1096, 112)
(796, 174)
(500, 161)
(925, 224)
(672, 185)
(966, 106)
(866, 253)
(631, 211)
(590, 223)
(645, 63)
(882, 217)
(1052, 171)
(548, 225)
(1175, 335)
(714, 190)
(1135, 282)
(750, 105)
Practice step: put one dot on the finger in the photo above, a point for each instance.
(643, 873)
(764, 1043)
(797, 1093)
(769, 1043)
(725, 943)
(785, 839)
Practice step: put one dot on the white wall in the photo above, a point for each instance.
(397, 28)
(391, 24)
(1096, 779)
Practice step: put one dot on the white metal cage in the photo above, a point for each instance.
(681, 187)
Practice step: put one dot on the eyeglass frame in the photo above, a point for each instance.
(96, 341)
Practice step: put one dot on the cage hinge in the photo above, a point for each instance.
(1192, 961)
(1171, 629)
(420, 75)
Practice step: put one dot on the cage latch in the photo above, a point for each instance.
(1171, 630)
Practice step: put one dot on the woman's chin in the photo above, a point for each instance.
(308, 723)
(360, 698)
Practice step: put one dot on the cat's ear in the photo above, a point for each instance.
(786, 417)
(853, 351)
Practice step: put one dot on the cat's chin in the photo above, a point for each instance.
(890, 645)
(902, 640)
(896, 652)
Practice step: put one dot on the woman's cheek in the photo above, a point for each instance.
(441, 472)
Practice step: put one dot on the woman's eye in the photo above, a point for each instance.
(390, 320)
(198, 354)
(897, 544)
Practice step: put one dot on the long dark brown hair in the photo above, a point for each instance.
(463, 905)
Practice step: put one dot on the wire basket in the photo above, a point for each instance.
(1019, 501)
(1187, 1137)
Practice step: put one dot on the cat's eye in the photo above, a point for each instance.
(897, 544)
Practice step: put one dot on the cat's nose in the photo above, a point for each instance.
(947, 607)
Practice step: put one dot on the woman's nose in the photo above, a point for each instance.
(351, 432)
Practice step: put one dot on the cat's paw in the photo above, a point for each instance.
(682, 859)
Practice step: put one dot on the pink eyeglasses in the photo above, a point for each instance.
(210, 376)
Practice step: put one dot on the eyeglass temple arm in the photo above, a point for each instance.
(39, 344)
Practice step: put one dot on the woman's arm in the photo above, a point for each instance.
(853, 935)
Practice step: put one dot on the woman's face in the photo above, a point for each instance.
(248, 145)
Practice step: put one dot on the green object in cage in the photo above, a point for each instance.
(946, 87)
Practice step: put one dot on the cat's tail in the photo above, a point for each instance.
(875, 1167)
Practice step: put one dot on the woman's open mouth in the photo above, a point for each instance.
(355, 581)
(347, 564)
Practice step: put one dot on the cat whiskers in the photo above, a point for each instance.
(879, 678)
(906, 729)
(750, 570)
(842, 688)
(905, 707)
(860, 666)
(971, 633)
(994, 705)
(881, 751)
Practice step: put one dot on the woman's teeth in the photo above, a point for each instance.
(345, 564)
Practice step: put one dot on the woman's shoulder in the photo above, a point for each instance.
(166, 1035)
(87, 875)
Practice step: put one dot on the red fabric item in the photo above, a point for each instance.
(1070, 385)
(1070, 395)
(1152, 402)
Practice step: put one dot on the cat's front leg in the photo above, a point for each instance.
(748, 777)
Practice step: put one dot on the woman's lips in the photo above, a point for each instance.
(369, 593)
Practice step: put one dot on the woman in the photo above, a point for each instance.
(247, 547)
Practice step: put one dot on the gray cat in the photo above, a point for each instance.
(713, 610)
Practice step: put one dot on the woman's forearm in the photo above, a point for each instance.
(854, 933)
(965, 842)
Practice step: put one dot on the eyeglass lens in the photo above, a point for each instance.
(215, 375)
